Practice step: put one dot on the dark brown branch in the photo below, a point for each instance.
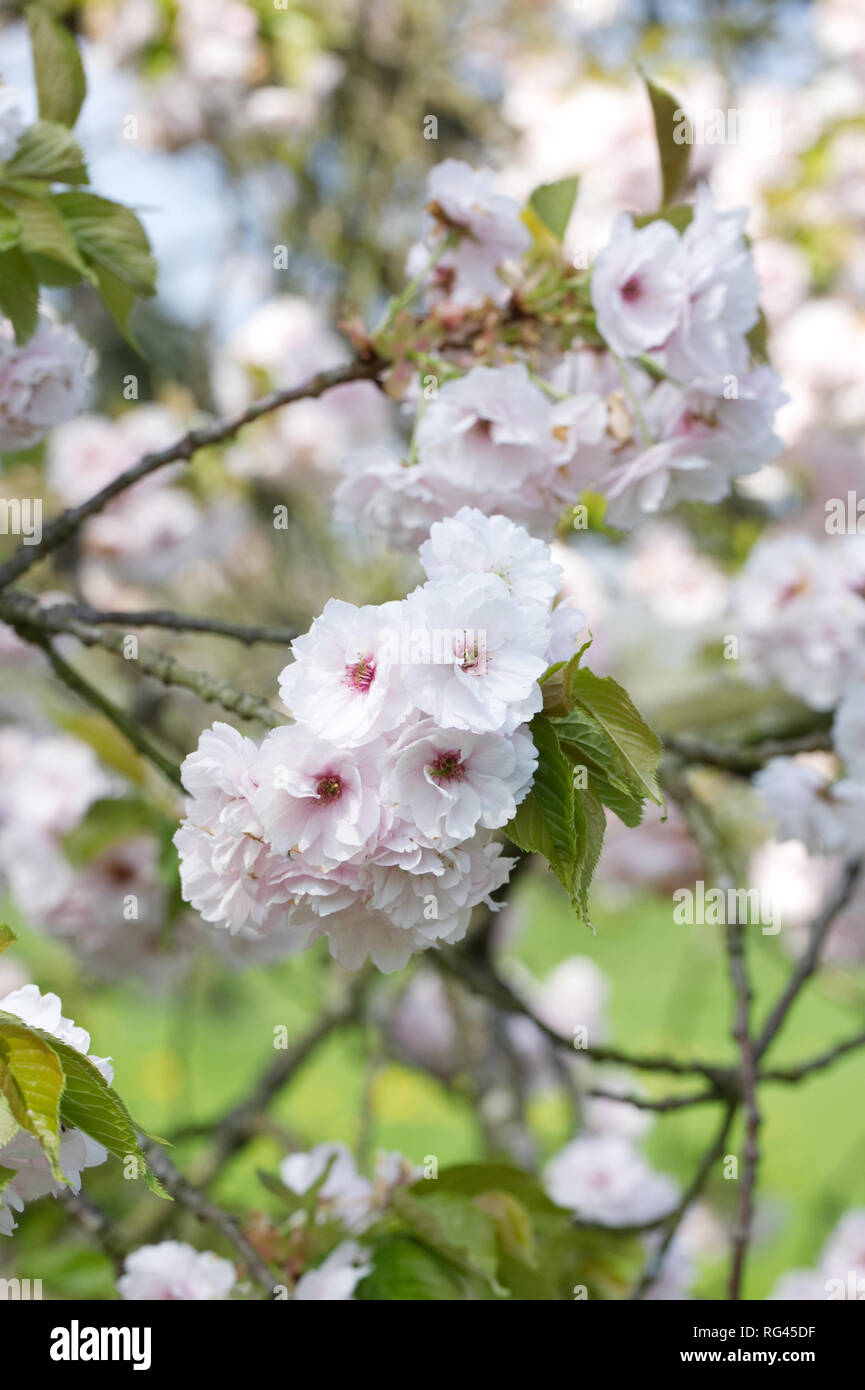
(127, 726)
(30, 620)
(196, 1201)
(735, 938)
(819, 1063)
(178, 622)
(672, 1223)
(60, 530)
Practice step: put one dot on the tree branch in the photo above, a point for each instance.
(190, 1197)
(29, 619)
(735, 938)
(363, 368)
(91, 696)
(178, 622)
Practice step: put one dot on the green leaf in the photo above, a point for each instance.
(60, 81)
(31, 1079)
(591, 823)
(758, 339)
(553, 203)
(19, 293)
(513, 1224)
(679, 215)
(90, 1104)
(472, 1179)
(53, 274)
(6, 1176)
(9, 1126)
(42, 229)
(7, 936)
(452, 1226)
(118, 298)
(635, 743)
(585, 741)
(10, 229)
(112, 236)
(673, 133)
(406, 1271)
(544, 822)
(47, 151)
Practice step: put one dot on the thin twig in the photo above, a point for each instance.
(672, 1222)
(178, 622)
(492, 987)
(196, 1201)
(240, 1123)
(59, 531)
(24, 613)
(748, 757)
(127, 726)
(819, 1063)
(735, 939)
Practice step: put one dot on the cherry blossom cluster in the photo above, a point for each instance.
(370, 819)
(345, 1199)
(109, 910)
(666, 407)
(799, 607)
(23, 1154)
(43, 382)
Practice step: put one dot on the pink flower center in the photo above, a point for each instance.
(447, 767)
(361, 674)
(329, 788)
(632, 289)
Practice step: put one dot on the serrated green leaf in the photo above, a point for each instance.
(6, 1176)
(90, 1104)
(30, 1068)
(47, 151)
(673, 133)
(553, 203)
(112, 236)
(638, 746)
(42, 230)
(7, 937)
(591, 823)
(60, 81)
(544, 822)
(19, 293)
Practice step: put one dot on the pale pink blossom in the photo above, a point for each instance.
(173, 1271)
(486, 679)
(43, 382)
(345, 683)
(638, 286)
